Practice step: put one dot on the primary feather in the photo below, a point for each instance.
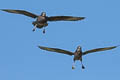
(26, 13)
(56, 50)
(65, 18)
(99, 49)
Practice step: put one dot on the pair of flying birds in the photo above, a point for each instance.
(41, 22)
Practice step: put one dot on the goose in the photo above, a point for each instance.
(78, 53)
(41, 20)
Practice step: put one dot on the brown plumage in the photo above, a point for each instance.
(78, 53)
(42, 19)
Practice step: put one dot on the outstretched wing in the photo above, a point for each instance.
(56, 50)
(20, 12)
(99, 49)
(65, 18)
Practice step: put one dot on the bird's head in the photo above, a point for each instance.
(79, 48)
(43, 14)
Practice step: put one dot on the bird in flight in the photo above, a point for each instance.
(41, 20)
(78, 53)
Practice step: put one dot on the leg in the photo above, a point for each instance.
(46, 24)
(73, 67)
(82, 64)
(38, 25)
(34, 28)
(44, 30)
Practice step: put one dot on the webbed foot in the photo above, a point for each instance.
(34, 27)
(43, 31)
(73, 67)
(83, 67)
(33, 30)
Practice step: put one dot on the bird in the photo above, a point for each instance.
(41, 20)
(78, 52)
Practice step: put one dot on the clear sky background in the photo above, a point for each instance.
(21, 59)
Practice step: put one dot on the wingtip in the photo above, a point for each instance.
(117, 45)
(38, 46)
(82, 18)
(2, 9)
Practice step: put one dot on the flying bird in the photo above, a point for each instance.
(78, 53)
(41, 20)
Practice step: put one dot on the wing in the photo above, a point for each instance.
(20, 12)
(99, 49)
(56, 50)
(65, 18)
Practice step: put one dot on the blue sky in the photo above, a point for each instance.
(21, 59)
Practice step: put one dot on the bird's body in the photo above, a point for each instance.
(78, 53)
(77, 56)
(42, 20)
